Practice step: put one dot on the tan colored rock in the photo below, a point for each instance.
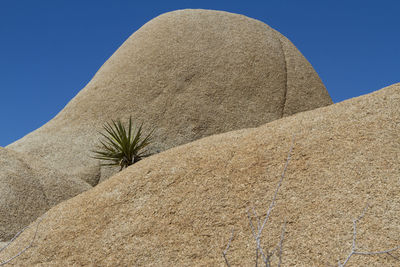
(178, 208)
(28, 189)
(189, 74)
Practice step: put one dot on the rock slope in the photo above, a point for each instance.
(28, 189)
(178, 208)
(189, 74)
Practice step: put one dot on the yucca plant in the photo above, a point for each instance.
(122, 146)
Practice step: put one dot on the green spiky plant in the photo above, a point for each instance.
(122, 146)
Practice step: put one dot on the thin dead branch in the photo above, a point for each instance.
(15, 237)
(257, 230)
(227, 248)
(260, 228)
(354, 245)
(280, 245)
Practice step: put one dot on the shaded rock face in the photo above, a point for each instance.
(188, 74)
(28, 189)
(178, 208)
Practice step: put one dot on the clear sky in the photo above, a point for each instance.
(50, 49)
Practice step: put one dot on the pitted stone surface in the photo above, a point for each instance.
(178, 208)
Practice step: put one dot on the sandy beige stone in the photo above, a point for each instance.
(189, 74)
(28, 189)
(178, 208)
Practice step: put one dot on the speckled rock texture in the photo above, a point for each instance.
(28, 189)
(188, 74)
(178, 208)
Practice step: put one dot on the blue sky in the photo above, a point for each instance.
(50, 49)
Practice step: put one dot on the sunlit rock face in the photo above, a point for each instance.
(178, 208)
(188, 74)
(28, 189)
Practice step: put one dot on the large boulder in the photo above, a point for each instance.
(178, 208)
(28, 189)
(188, 74)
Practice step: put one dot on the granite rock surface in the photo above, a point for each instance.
(178, 208)
(28, 189)
(188, 74)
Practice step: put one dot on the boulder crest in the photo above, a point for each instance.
(189, 74)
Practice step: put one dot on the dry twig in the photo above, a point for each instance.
(354, 245)
(260, 228)
(227, 248)
(15, 237)
(280, 245)
(257, 231)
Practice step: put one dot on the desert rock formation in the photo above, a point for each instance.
(28, 189)
(178, 208)
(188, 74)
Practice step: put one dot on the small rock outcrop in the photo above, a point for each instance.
(28, 189)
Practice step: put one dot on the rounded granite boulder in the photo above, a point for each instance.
(188, 74)
(28, 189)
(179, 208)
